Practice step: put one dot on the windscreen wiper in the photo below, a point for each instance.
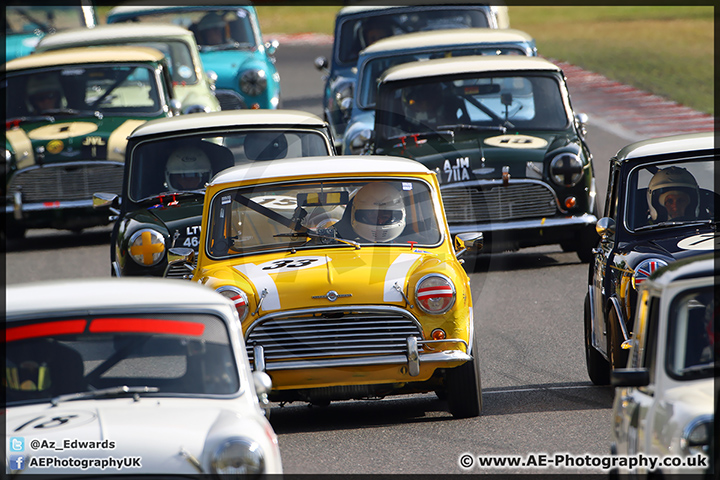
(103, 392)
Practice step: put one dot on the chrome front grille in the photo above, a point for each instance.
(333, 334)
(180, 271)
(67, 181)
(484, 203)
(230, 100)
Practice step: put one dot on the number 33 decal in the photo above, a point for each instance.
(286, 265)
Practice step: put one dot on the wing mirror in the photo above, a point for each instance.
(605, 227)
(470, 241)
(180, 256)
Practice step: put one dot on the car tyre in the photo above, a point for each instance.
(588, 239)
(463, 386)
(598, 367)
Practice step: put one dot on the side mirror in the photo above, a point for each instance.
(472, 241)
(630, 377)
(272, 46)
(108, 200)
(180, 256)
(582, 119)
(175, 106)
(605, 227)
(321, 64)
(263, 385)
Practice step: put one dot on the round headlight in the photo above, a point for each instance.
(239, 456)
(435, 294)
(645, 269)
(196, 109)
(238, 297)
(359, 142)
(566, 169)
(696, 436)
(343, 99)
(253, 82)
(147, 247)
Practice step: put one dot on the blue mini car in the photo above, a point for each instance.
(231, 49)
(25, 25)
(356, 27)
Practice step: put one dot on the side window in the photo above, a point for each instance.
(649, 360)
(612, 198)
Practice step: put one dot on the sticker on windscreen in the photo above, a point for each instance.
(704, 241)
(276, 202)
(516, 141)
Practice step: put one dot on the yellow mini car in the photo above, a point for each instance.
(345, 277)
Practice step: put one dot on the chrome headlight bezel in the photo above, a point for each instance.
(253, 82)
(556, 171)
(238, 297)
(238, 456)
(696, 435)
(344, 100)
(140, 241)
(431, 287)
(196, 108)
(358, 143)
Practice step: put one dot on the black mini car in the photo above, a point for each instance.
(660, 207)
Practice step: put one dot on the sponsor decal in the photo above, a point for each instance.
(704, 241)
(55, 146)
(516, 141)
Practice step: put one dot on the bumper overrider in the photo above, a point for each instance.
(348, 346)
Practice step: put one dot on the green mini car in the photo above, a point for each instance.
(193, 88)
(507, 147)
(68, 114)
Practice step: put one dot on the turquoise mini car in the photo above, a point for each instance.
(231, 49)
(25, 25)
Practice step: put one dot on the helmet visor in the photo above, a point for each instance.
(378, 217)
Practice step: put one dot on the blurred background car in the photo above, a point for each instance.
(143, 369)
(231, 48)
(508, 148)
(665, 399)
(68, 114)
(358, 26)
(193, 88)
(26, 24)
(169, 163)
(419, 46)
(638, 234)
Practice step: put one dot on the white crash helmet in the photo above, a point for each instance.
(378, 212)
(668, 179)
(187, 163)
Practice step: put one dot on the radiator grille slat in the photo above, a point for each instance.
(498, 203)
(349, 334)
(58, 183)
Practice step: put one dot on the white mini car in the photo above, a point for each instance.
(665, 399)
(131, 376)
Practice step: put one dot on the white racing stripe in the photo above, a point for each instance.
(396, 274)
(261, 280)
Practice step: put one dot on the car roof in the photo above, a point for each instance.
(346, 165)
(123, 12)
(110, 33)
(84, 55)
(689, 142)
(228, 118)
(693, 267)
(369, 7)
(98, 295)
(460, 36)
(468, 64)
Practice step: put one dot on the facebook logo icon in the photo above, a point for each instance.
(17, 462)
(17, 444)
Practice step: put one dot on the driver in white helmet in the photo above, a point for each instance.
(188, 168)
(378, 212)
(672, 195)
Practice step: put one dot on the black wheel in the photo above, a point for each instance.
(587, 240)
(618, 356)
(463, 388)
(598, 368)
(14, 230)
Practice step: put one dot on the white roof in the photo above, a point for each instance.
(111, 34)
(102, 295)
(469, 64)
(345, 165)
(75, 56)
(228, 118)
(671, 144)
(459, 36)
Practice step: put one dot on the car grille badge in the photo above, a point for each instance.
(332, 295)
